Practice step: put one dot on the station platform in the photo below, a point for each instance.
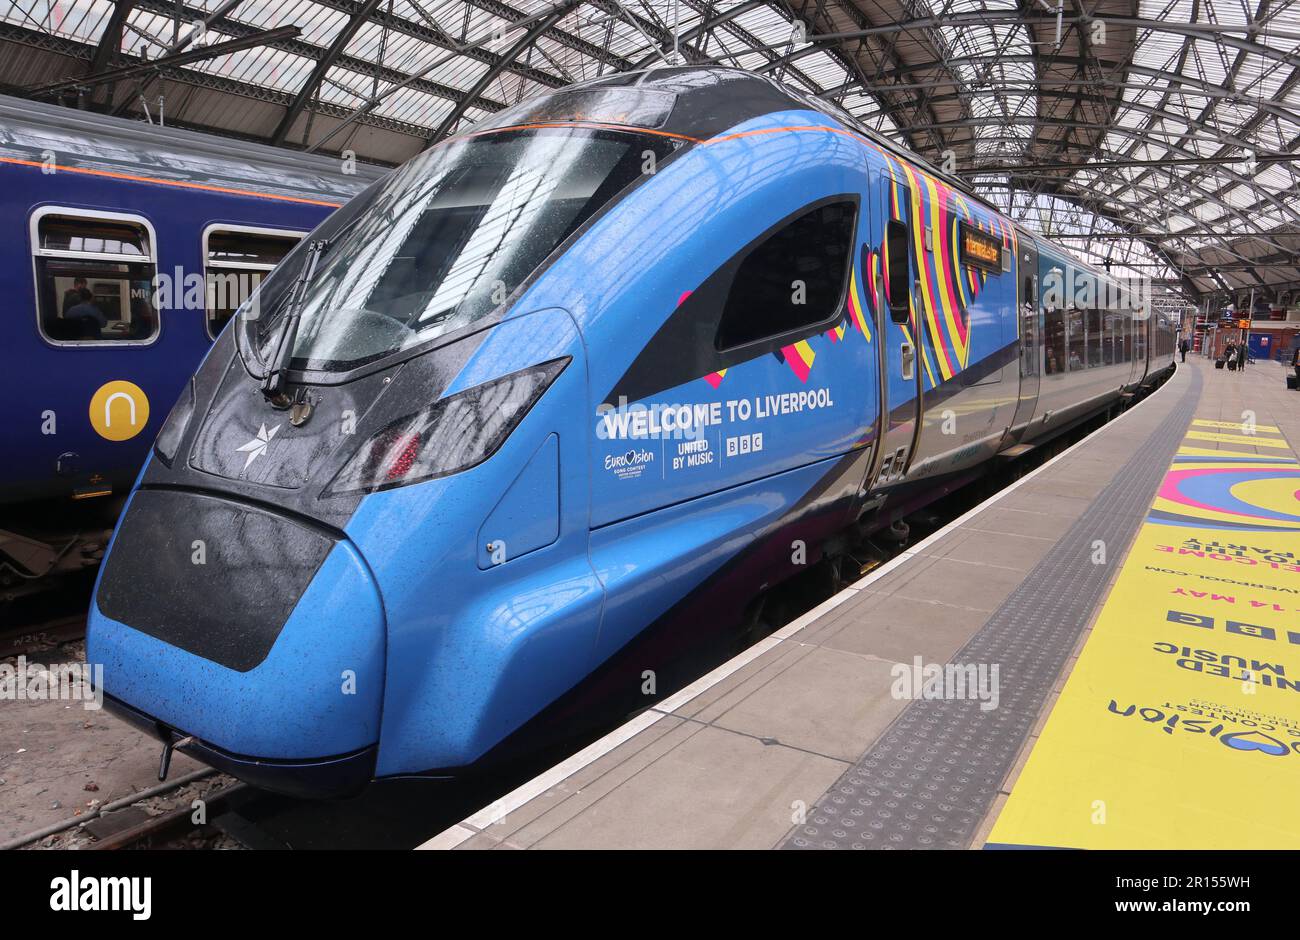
(1101, 655)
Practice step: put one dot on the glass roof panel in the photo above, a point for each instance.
(412, 60)
(82, 20)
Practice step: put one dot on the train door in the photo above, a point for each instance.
(1029, 317)
(1142, 333)
(900, 369)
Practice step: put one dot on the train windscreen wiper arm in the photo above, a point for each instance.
(273, 382)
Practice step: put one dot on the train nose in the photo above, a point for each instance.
(259, 637)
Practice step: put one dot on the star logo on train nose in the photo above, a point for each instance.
(257, 446)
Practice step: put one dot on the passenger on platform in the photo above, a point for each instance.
(1183, 347)
(1230, 355)
(1295, 361)
(1241, 358)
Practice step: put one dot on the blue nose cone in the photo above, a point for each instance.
(263, 664)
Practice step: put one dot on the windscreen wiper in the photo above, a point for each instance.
(273, 382)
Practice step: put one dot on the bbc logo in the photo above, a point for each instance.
(745, 444)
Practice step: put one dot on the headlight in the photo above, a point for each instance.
(173, 429)
(452, 435)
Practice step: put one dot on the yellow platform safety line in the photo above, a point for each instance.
(1251, 440)
(1211, 452)
(1236, 426)
(1179, 726)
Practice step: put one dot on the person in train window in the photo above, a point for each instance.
(144, 319)
(89, 319)
(72, 296)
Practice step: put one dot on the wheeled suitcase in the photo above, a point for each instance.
(1218, 363)
(1293, 381)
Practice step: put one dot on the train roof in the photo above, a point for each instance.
(90, 141)
(709, 99)
(699, 102)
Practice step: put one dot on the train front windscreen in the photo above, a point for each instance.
(445, 241)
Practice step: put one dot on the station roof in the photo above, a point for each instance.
(1159, 135)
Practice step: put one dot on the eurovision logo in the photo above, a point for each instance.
(1174, 720)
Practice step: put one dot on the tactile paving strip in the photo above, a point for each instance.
(930, 778)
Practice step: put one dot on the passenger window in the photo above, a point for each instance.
(1029, 330)
(1053, 341)
(1094, 338)
(235, 262)
(1077, 349)
(94, 278)
(898, 259)
(795, 277)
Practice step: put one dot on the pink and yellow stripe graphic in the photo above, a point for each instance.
(799, 357)
(856, 308)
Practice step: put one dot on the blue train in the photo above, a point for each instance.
(101, 212)
(562, 395)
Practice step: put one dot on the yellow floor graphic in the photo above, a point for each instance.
(1179, 727)
(1249, 440)
(1237, 426)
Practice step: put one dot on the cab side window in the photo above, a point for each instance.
(94, 278)
(235, 262)
(795, 277)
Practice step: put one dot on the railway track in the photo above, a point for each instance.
(159, 831)
(26, 639)
(168, 817)
(42, 620)
(393, 816)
